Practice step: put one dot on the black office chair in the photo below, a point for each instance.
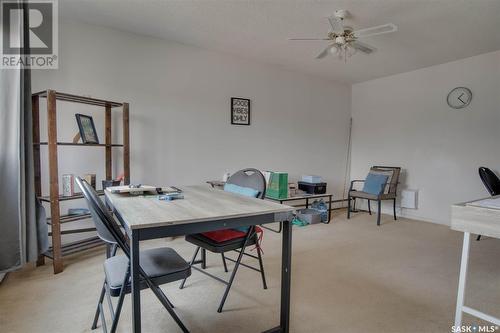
(251, 178)
(157, 266)
(491, 182)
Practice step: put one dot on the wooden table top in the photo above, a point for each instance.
(201, 203)
(476, 220)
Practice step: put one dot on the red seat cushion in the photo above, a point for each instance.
(227, 234)
(220, 236)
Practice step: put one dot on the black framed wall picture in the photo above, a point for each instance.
(87, 128)
(240, 111)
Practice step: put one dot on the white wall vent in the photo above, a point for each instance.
(409, 199)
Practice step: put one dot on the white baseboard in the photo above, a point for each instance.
(406, 213)
(423, 218)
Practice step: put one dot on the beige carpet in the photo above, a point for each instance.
(349, 276)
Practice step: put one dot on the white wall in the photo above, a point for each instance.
(403, 120)
(180, 117)
(181, 132)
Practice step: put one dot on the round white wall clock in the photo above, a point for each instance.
(459, 97)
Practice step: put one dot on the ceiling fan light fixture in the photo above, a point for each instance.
(334, 49)
(340, 40)
(350, 50)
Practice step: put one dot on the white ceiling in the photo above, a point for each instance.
(430, 31)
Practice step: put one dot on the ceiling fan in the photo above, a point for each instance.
(344, 40)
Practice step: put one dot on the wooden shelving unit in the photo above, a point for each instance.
(58, 250)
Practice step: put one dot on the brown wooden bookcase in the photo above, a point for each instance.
(58, 250)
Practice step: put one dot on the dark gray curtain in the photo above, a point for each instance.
(23, 229)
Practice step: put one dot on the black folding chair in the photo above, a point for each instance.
(251, 178)
(491, 182)
(158, 266)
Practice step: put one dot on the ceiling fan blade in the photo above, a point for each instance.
(363, 47)
(308, 39)
(378, 30)
(324, 53)
(336, 24)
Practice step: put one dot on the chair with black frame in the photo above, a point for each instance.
(386, 190)
(246, 179)
(158, 265)
(491, 182)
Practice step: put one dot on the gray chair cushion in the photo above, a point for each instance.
(162, 265)
(363, 195)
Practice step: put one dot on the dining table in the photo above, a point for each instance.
(202, 209)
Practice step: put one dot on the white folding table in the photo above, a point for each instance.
(469, 218)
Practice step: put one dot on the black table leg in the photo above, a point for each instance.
(136, 290)
(286, 267)
(286, 270)
(203, 258)
(329, 209)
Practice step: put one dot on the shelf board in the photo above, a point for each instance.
(78, 246)
(75, 231)
(70, 218)
(46, 198)
(79, 99)
(80, 144)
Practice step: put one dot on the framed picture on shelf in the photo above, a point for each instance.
(87, 128)
(240, 111)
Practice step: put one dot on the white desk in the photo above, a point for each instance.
(202, 209)
(476, 220)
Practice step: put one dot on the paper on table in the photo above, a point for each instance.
(493, 203)
(143, 188)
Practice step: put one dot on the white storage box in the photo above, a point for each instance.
(312, 179)
(311, 216)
